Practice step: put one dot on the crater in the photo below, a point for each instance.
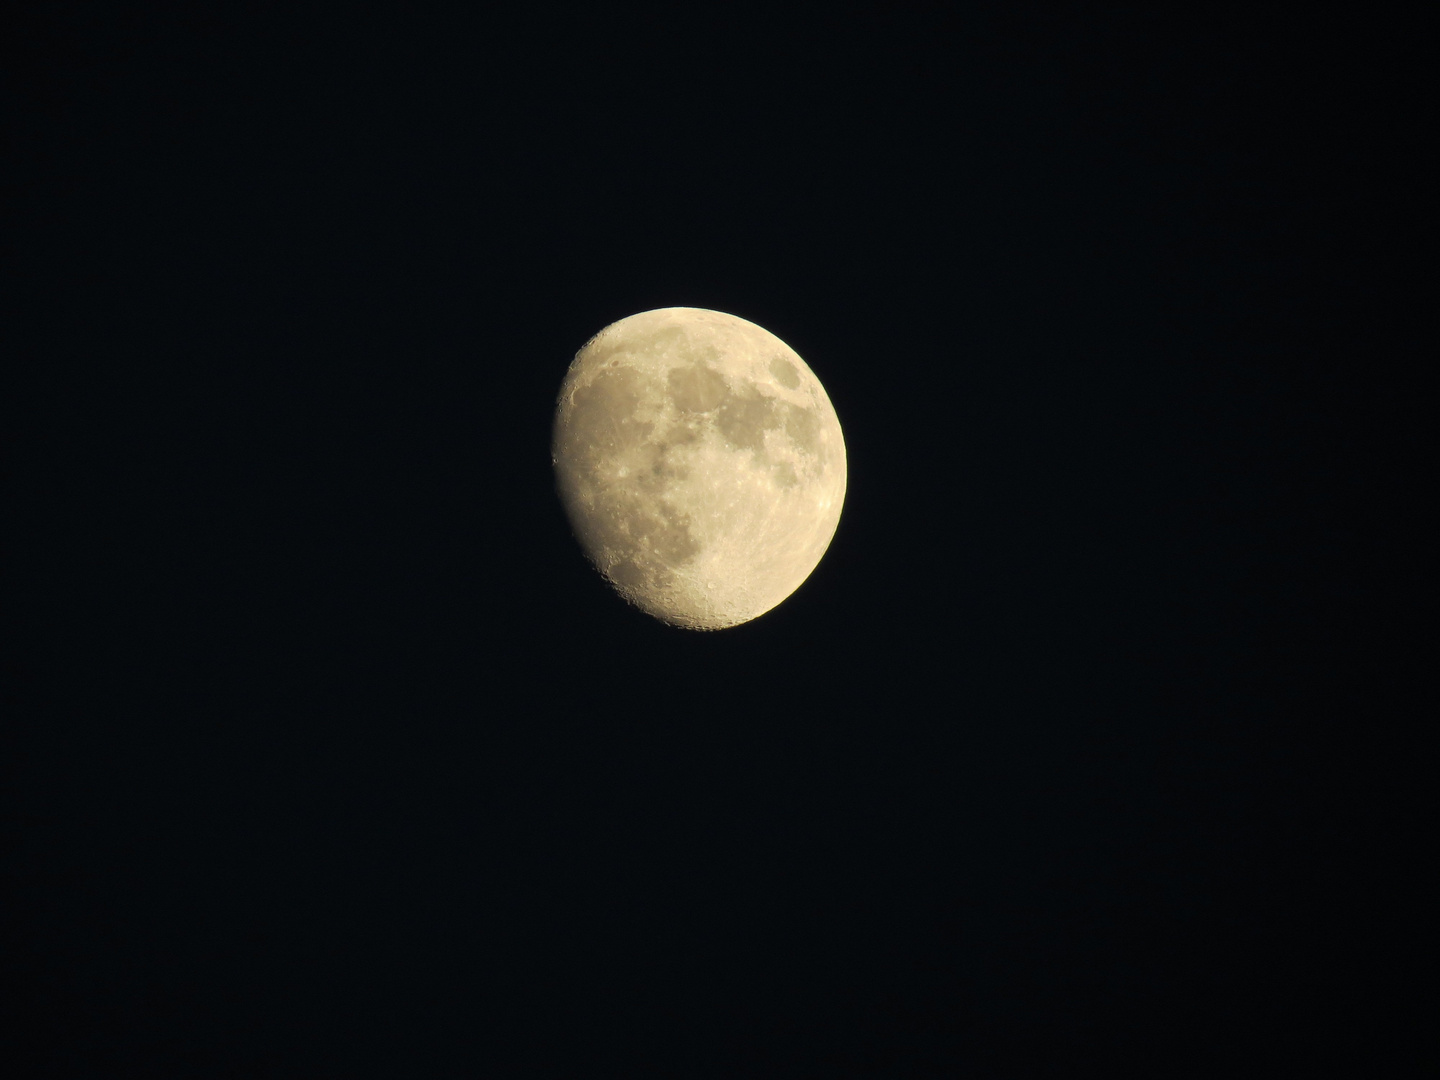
(645, 348)
(608, 347)
(785, 373)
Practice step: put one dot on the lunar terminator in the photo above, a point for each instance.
(700, 463)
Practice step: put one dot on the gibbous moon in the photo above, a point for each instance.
(700, 463)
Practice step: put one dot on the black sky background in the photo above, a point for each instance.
(1083, 750)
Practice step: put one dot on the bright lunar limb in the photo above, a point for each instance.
(700, 463)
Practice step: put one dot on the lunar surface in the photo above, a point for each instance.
(700, 463)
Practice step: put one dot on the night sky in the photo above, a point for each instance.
(1084, 750)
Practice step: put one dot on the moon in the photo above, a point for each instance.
(700, 463)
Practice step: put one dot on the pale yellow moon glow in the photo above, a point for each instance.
(700, 463)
